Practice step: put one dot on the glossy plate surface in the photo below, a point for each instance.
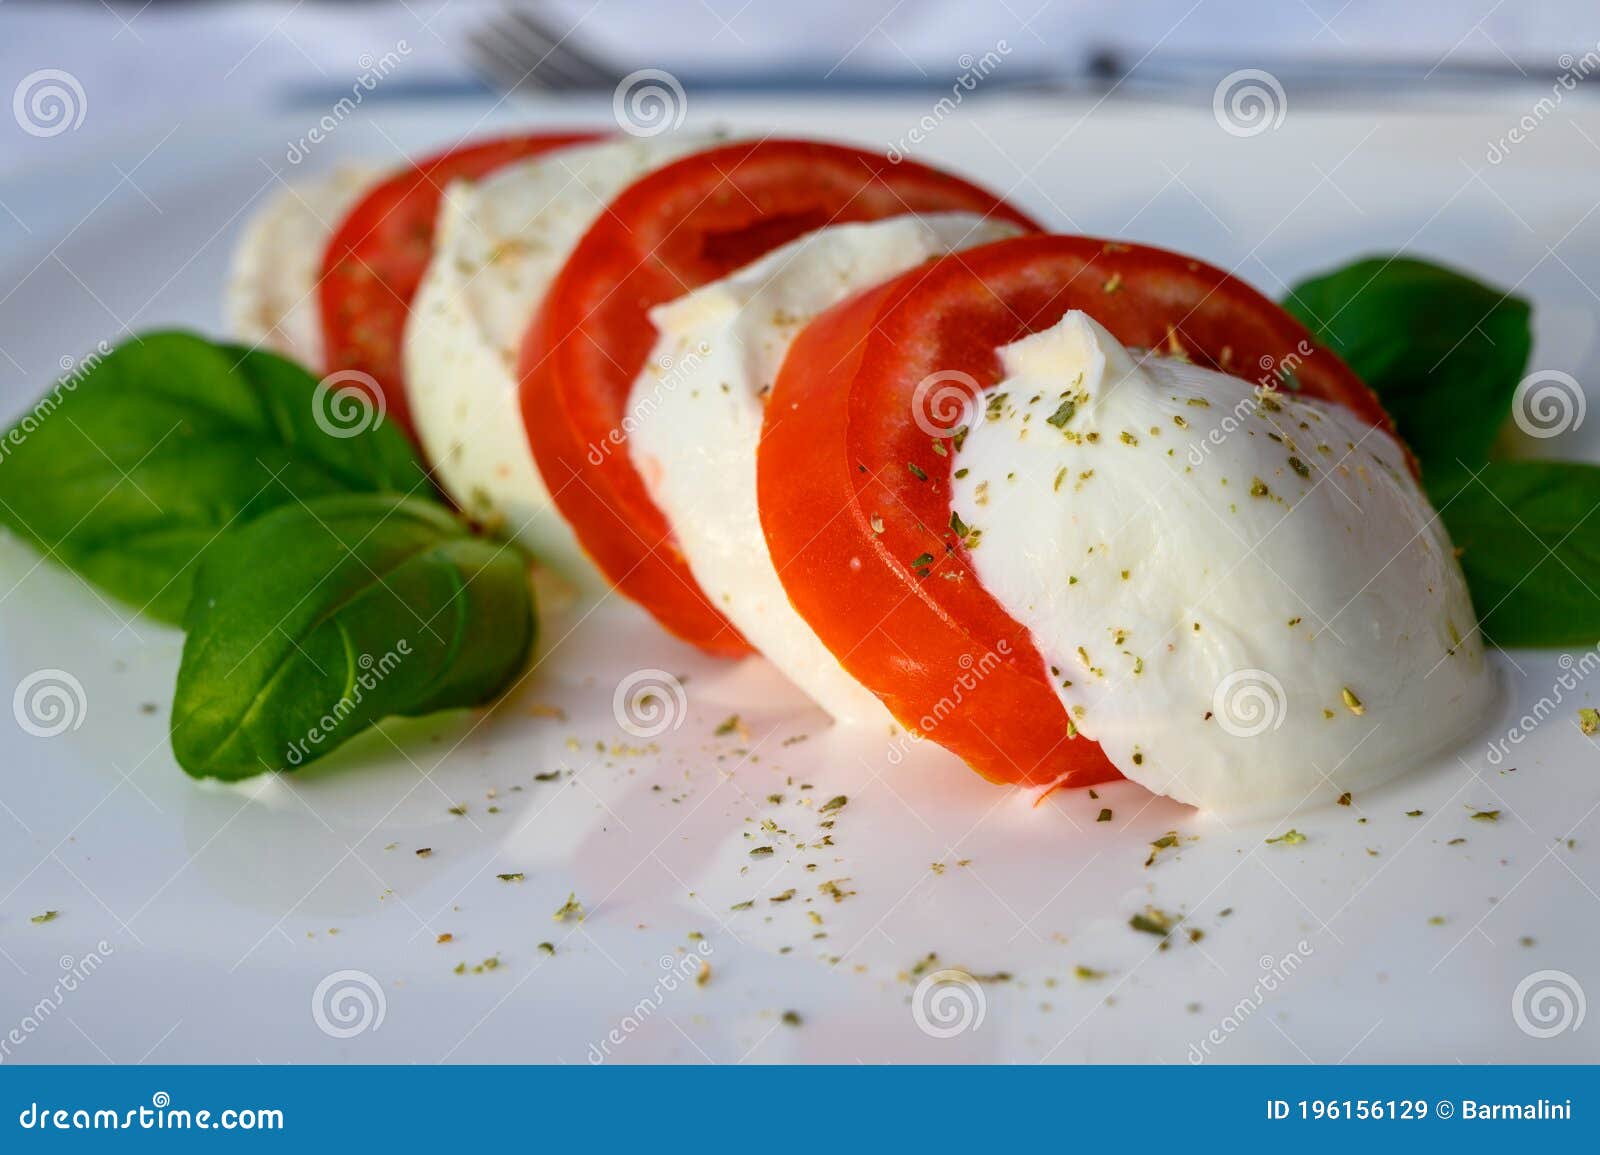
(225, 913)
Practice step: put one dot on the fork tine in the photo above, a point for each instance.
(516, 50)
(584, 70)
(502, 66)
(537, 62)
(516, 64)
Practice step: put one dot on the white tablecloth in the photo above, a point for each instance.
(142, 66)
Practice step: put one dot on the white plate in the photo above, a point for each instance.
(210, 916)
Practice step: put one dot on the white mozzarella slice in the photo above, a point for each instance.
(272, 286)
(501, 242)
(695, 418)
(1241, 594)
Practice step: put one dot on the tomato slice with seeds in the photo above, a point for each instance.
(854, 475)
(378, 254)
(683, 226)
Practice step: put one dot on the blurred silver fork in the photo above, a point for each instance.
(516, 49)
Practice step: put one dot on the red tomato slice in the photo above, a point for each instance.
(377, 256)
(854, 488)
(687, 224)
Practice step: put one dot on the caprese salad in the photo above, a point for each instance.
(1072, 508)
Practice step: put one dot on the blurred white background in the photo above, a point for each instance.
(142, 66)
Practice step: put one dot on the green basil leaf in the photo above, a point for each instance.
(128, 469)
(1530, 549)
(316, 620)
(1443, 352)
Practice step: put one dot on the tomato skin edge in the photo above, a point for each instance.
(921, 656)
(396, 196)
(638, 575)
(913, 640)
(570, 411)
